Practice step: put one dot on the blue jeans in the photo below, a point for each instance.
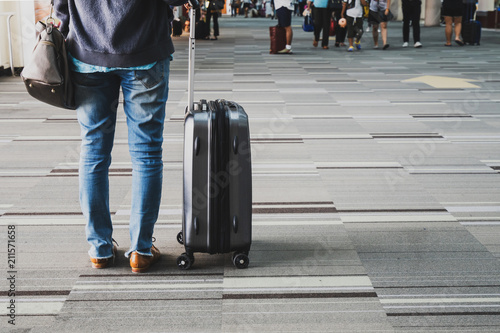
(145, 94)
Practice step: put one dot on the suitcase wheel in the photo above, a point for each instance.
(185, 261)
(240, 260)
(180, 238)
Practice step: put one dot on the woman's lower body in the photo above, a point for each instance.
(376, 19)
(453, 22)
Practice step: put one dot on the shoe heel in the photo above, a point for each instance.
(140, 270)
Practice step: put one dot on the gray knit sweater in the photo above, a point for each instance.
(117, 33)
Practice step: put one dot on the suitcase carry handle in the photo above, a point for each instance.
(194, 4)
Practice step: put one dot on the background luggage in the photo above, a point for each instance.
(332, 28)
(308, 24)
(217, 181)
(278, 39)
(471, 32)
(262, 11)
(177, 27)
(202, 30)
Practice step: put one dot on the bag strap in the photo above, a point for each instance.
(50, 20)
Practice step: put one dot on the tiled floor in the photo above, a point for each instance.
(376, 193)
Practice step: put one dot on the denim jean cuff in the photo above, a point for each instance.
(98, 257)
(148, 254)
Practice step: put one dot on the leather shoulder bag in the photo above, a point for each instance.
(47, 75)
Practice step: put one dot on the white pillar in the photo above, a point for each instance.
(7, 22)
(396, 9)
(27, 29)
(486, 5)
(23, 33)
(432, 13)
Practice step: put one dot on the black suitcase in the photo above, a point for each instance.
(471, 32)
(217, 180)
(177, 28)
(202, 30)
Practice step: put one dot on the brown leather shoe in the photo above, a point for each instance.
(103, 263)
(140, 263)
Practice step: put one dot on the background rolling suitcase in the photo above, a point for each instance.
(471, 29)
(177, 27)
(471, 32)
(202, 30)
(217, 184)
(278, 39)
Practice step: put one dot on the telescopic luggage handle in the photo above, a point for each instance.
(194, 4)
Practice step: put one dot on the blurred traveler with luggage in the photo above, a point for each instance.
(284, 9)
(452, 10)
